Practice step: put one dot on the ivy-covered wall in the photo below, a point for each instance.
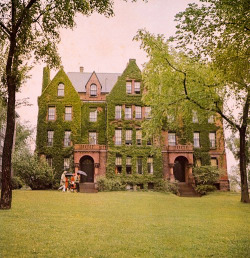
(49, 98)
(118, 96)
(99, 126)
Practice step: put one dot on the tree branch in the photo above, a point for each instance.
(24, 12)
(5, 29)
(217, 110)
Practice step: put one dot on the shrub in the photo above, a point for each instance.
(205, 178)
(110, 184)
(16, 182)
(34, 172)
(164, 185)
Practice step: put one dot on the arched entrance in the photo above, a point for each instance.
(180, 165)
(87, 165)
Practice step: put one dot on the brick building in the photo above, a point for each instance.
(93, 122)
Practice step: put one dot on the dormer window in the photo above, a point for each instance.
(93, 90)
(60, 90)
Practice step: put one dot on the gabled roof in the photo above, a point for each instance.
(79, 80)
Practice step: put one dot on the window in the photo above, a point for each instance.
(128, 137)
(137, 112)
(93, 90)
(149, 141)
(212, 140)
(93, 115)
(49, 161)
(195, 117)
(150, 165)
(129, 87)
(138, 137)
(171, 139)
(118, 112)
(52, 113)
(197, 140)
(92, 138)
(211, 119)
(118, 137)
(118, 164)
(68, 113)
(60, 90)
(198, 162)
(50, 138)
(214, 162)
(139, 165)
(128, 113)
(66, 163)
(128, 165)
(67, 138)
(147, 112)
(137, 87)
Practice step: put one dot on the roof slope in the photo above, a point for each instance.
(79, 80)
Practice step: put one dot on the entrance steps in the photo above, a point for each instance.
(88, 188)
(187, 190)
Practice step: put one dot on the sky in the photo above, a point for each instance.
(103, 44)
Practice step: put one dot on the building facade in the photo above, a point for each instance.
(93, 122)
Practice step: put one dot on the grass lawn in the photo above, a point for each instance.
(124, 224)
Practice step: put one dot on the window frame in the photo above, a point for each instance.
(118, 164)
(171, 136)
(196, 140)
(138, 137)
(212, 141)
(118, 112)
(136, 83)
(138, 112)
(93, 92)
(139, 169)
(68, 115)
(93, 115)
(51, 116)
(93, 137)
(129, 165)
(67, 139)
(127, 108)
(129, 87)
(61, 91)
(118, 136)
(128, 136)
(50, 138)
(150, 165)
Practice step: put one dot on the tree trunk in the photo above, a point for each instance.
(6, 192)
(243, 166)
(11, 76)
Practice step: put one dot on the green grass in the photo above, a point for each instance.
(124, 224)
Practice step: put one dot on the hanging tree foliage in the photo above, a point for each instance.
(211, 70)
(30, 28)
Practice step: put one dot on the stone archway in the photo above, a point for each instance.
(87, 165)
(180, 168)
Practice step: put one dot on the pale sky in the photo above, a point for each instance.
(105, 44)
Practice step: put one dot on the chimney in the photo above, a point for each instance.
(81, 69)
(46, 77)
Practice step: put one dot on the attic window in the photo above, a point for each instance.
(93, 90)
(60, 90)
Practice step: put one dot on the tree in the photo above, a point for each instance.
(30, 28)
(214, 39)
